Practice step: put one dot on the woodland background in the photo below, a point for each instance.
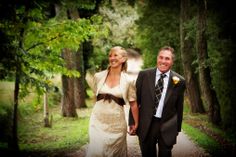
(48, 48)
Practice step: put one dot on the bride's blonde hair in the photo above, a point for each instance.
(123, 52)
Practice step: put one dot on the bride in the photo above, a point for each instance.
(113, 88)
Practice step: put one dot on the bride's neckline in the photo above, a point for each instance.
(112, 86)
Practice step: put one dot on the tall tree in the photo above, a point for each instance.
(204, 70)
(78, 12)
(187, 45)
(221, 35)
(18, 76)
(68, 108)
(83, 55)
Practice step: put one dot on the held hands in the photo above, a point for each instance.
(132, 130)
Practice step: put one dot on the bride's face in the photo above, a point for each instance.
(116, 59)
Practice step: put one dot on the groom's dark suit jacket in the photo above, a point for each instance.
(173, 105)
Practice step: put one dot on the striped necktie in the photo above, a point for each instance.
(158, 90)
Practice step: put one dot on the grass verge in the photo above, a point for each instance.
(66, 134)
(203, 140)
(211, 138)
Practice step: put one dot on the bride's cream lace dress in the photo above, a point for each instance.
(108, 127)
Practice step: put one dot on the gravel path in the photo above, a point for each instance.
(183, 148)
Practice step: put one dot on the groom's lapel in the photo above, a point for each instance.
(169, 88)
(151, 82)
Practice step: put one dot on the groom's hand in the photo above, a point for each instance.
(132, 130)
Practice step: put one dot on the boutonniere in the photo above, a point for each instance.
(175, 80)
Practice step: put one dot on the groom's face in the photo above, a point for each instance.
(164, 60)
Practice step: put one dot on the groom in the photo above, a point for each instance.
(160, 106)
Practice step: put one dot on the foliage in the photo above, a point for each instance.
(158, 26)
(81, 4)
(36, 43)
(221, 48)
(119, 24)
(34, 103)
(33, 43)
(50, 39)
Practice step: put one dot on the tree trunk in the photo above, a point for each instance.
(68, 104)
(79, 83)
(204, 70)
(87, 53)
(13, 141)
(193, 91)
(46, 111)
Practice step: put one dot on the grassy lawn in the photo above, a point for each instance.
(66, 134)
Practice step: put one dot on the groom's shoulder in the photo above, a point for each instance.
(147, 70)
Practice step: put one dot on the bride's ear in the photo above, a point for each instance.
(124, 59)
